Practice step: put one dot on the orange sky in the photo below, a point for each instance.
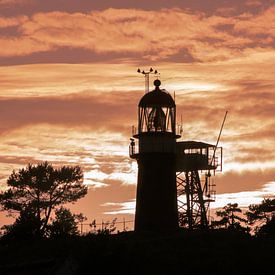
(69, 89)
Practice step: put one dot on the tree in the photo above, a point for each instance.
(262, 217)
(261, 212)
(38, 189)
(229, 218)
(24, 227)
(268, 229)
(65, 223)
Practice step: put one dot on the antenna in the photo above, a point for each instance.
(146, 75)
(215, 148)
(208, 174)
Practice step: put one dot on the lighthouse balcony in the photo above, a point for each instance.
(155, 132)
(152, 145)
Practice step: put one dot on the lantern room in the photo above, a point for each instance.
(157, 112)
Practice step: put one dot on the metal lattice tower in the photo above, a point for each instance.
(193, 201)
(195, 189)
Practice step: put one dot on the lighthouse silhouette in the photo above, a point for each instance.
(156, 199)
(175, 185)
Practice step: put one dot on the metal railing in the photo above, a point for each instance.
(113, 227)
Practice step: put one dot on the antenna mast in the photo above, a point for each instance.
(146, 75)
(215, 148)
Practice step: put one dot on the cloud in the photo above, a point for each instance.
(54, 80)
(99, 112)
(12, 21)
(235, 181)
(207, 7)
(244, 199)
(256, 25)
(124, 172)
(153, 35)
(103, 155)
(103, 98)
(14, 2)
(127, 207)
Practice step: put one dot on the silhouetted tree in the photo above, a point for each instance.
(36, 190)
(262, 216)
(65, 223)
(229, 218)
(268, 229)
(261, 212)
(24, 227)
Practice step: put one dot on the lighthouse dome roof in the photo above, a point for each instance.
(157, 97)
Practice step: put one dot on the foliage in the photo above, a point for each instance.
(268, 229)
(65, 223)
(229, 218)
(35, 191)
(24, 227)
(261, 212)
(262, 217)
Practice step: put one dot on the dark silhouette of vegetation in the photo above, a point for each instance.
(213, 251)
(230, 218)
(35, 191)
(218, 251)
(65, 223)
(268, 229)
(24, 227)
(262, 215)
(261, 212)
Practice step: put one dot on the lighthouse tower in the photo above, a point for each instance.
(156, 199)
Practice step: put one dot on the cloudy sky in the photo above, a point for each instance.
(69, 89)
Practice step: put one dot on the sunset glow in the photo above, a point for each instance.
(69, 89)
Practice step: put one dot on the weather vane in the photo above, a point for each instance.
(146, 75)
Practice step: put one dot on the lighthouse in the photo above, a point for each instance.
(153, 145)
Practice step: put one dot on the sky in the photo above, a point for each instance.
(69, 89)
